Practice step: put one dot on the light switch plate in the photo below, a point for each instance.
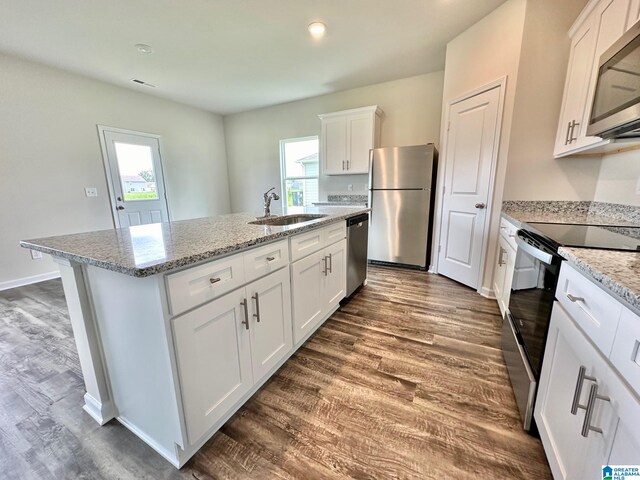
(638, 186)
(91, 191)
(35, 254)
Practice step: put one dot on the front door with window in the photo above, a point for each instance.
(136, 183)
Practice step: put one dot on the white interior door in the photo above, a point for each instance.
(470, 152)
(136, 182)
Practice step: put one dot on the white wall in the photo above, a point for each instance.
(485, 52)
(619, 178)
(532, 172)
(49, 151)
(412, 116)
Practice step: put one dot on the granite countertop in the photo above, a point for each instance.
(146, 250)
(615, 271)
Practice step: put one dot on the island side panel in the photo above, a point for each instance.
(136, 341)
(98, 401)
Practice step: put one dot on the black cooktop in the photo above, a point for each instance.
(590, 236)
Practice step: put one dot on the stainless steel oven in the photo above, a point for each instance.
(526, 322)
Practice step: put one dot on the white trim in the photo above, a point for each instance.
(371, 109)
(99, 411)
(107, 172)
(500, 83)
(20, 282)
(487, 293)
(171, 457)
(283, 179)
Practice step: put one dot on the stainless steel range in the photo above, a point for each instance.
(526, 322)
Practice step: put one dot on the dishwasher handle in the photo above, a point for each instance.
(354, 221)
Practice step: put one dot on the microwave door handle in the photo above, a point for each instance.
(544, 257)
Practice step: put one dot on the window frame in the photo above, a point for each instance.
(283, 169)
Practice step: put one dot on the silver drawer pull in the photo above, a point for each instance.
(245, 322)
(575, 299)
(270, 259)
(593, 396)
(330, 267)
(214, 280)
(575, 405)
(324, 266)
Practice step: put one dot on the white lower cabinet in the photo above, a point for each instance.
(566, 352)
(318, 284)
(586, 414)
(213, 352)
(226, 346)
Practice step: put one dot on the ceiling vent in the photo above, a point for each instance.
(140, 82)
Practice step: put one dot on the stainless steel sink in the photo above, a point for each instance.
(287, 219)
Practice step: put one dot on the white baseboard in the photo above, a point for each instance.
(487, 293)
(29, 280)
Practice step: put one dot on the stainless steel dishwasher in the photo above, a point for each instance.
(357, 241)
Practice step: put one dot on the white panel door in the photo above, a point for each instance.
(307, 283)
(334, 145)
(470, 153)
(270, 321)
(213, 352)
(136, 181)
(335, 281)
(360, 142)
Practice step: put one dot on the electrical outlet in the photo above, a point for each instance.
(35, 254)
(350, 187)
(638, 186)
(91, 191)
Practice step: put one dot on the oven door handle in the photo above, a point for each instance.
(544, 257)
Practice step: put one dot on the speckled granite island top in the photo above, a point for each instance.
(145, 250)
(615, 271)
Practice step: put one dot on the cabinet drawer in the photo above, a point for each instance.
(335, 232)
(307, 243)
(198, 285)
(508, 231)
(263, 260)
(595, 311)
(625, 354)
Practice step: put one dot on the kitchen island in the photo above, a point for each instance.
(177, 324)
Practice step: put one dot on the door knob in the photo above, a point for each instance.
(480, 205)
(120, 207)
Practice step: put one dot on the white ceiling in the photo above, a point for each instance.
(228, 56)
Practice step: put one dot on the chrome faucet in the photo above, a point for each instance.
(267, 201)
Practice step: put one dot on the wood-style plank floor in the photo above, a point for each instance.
(406, 380)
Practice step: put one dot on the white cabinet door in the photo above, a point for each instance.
(307, 282)
(566, 351)
(334, 145)
(360, 129)
(625, 449)
(335, 281)
(571, 129)
(499, 274)
(214, 361)
(270, 321)
(634, 13)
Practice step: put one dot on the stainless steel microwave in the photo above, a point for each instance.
(615, 112)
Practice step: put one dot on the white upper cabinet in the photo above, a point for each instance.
(346, 138)
(599, 25)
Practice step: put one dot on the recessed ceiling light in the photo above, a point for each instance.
(143, 48)
(317, 29)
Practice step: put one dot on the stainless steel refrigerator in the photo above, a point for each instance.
(401, 196)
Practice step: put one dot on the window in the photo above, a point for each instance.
(299, 167)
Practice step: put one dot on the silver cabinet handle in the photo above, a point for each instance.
(324, 266)
(257, 314)
(245, 322)
(214, 280)
(348, 166)
(330, 264)
(343, 165)
(270, 259)
(480, 205)
(568, 135)
(574, 124)
(593, 396)
(575, 405)
(500, 253)
(574, 299)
